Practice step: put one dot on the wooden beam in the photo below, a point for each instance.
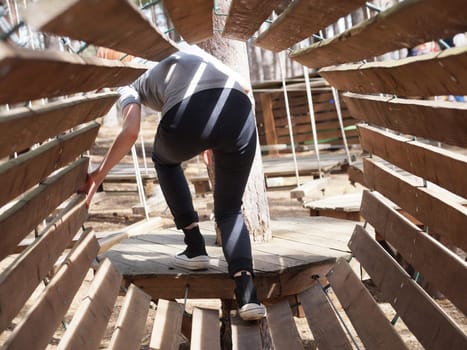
(116, 24)
(32, 74)
(323, 322)
(20, 174)
(90, 321)
(446, 169)
(246, 16)
(404, 25)
(129, 329)
(282, 326)
(26, 214)
(434, 120)
(443, 73)
(167, 326)
(192, 19)
(245, 334)
(27, 272)
(27, 126)
(48, 311)
(310, 190)
(437, 264)
(268, 120)
(205, 334)
(301, 19)
(422, 315)
(368, 319)
(451, 217)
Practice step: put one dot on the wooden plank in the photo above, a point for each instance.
(129, 329)
(268, 119)
(303, 18)
(26, 214)
(437, 264)
(205, 332)
(167, 326)
(54, 302)
(282, 326)
(322, 320)
(451, 217)
(32, 74)
(32, 266)
(312, 190)
(89, 323)
(368, 319)
(444, 73)
(422, 315)
(436, 120)
(404, 25)
(27, 126)
(116, 24)
(192, 20)
(21, 173)
(446, 169)
(245, 334)
(246, 16)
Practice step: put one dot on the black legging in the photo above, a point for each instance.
(221, 120)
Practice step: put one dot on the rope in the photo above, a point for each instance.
(337, 102)
(139, 182)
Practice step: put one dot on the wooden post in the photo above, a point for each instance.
(269, 122)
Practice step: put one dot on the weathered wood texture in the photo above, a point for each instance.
(116, 24)
(368, 319)
(246, 16)
(422, 315)
(302, 19)
(322, 320)
(89, 323)
(192, 19)
(405, 25)
(443, 73)
(446, 169)
(451, 217)
(282, 326)
(434, 120)
(205, 333)
(245, 335)
(166, 331)
(437, 264)
(24, 216)
(20, 174)
(29, 74)
(54, 302)
(27, 126)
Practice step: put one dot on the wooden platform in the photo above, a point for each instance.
(300, 249)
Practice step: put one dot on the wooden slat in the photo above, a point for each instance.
(27, 126)
(32, 266)
(116, 24)
(445, 168)
(32, 74)
(205, 332)
(45, 315)
(129, 329)
(245, 335)
(302, 19)
(192, 19)
(167, 326)
(435, 120)
(268, 119)
(89, 323)
(368, 319)
(282, 326)
(19, 220)
(450, 219)
(443, 73)
(246, 16)
(21, 173)
(405, 25)
(437, 264)
(428, 322)
(322, 320)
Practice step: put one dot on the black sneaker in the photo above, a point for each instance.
(249, 307)
(194, 257)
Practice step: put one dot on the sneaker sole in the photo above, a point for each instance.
(251, 312)
(202, 263)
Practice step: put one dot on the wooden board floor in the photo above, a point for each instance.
(300, 249)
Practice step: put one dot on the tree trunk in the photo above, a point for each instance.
(234, 54)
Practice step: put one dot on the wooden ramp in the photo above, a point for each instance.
(300, 249)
